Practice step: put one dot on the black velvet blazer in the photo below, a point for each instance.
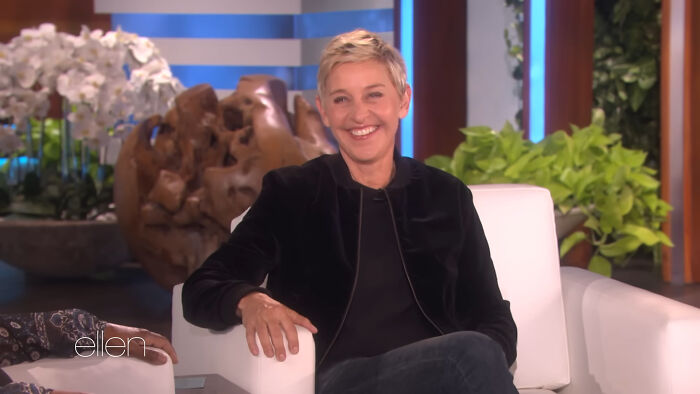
(303, 232)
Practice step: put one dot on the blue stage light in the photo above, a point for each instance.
(407, 52)
(538, 42)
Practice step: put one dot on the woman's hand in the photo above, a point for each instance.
(269, 319)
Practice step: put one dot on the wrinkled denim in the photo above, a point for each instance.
(465, 362)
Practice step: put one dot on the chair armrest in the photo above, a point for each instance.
(97, 374)
(202, 351)
(623, 339)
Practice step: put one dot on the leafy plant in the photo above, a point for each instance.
(626, 71)
(625, 68)
(588, 169)
(38, 189)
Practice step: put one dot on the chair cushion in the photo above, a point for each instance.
(96, 374)
(519, 224)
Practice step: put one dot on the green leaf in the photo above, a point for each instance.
(611, 220)
(663, 208)
(621, 247)
(538, 162)
(631, 75)
(592, 223)
(476, 131)
(626, 200)
(621, 91)
(558, 191)
(571, 241)
(600, 265)
(648, 74)
(663, 238)
(439, 161)
(648, 237)
(491, 164)
(633, 158)
(458, 164)
(644, 180)
(514, 170)
(646, 82)
(637, 98)
(508, 128)
(651, 200)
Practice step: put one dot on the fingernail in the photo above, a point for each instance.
(295, 349)
(281, 357)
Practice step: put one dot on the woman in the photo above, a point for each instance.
(384, 255)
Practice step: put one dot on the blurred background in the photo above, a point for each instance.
(595, 100)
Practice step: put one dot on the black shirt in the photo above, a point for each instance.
(383, 313)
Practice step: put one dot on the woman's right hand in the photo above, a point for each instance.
(270, 319)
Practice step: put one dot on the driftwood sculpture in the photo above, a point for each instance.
(180, 179)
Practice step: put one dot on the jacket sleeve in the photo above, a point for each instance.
(478, 285)
(31, 336)
(211, 294)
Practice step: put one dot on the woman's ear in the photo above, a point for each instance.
(405, 102)
(322, 111)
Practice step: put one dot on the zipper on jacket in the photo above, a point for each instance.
(403, 263)
(354, 285)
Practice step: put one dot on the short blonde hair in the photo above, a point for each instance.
(357, 46)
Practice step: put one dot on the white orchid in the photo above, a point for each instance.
(109, 79)
(38, 37)
(5, 56)
(20, 104)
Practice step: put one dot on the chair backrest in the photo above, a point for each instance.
(519, 224)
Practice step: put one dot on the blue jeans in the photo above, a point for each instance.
(461, 362)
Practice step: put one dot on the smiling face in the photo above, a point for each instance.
(362, 108)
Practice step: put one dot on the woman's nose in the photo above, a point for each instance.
(360, 112)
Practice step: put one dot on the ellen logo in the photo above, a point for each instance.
(101, 346)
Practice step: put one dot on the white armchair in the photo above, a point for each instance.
(578, 332)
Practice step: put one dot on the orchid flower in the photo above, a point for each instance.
(90, 72)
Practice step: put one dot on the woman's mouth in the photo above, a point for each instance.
(363, 131)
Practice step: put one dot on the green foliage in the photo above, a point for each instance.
(626, 71)
(41, 191)
(589, 169)
(625, 68)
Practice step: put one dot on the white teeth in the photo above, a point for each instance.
(365, 131)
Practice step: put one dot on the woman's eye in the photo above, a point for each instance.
(376, 94)
(340, 99)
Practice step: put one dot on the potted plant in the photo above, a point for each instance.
(55, 174)
(588, 171)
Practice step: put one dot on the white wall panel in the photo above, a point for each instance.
(198, 7)
(344, 5)
(492, 93)
(311, 48)
(241, 52)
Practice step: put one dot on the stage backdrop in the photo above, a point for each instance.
(217, 41)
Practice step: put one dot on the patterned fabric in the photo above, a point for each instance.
(24, 388)
(31, 336)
